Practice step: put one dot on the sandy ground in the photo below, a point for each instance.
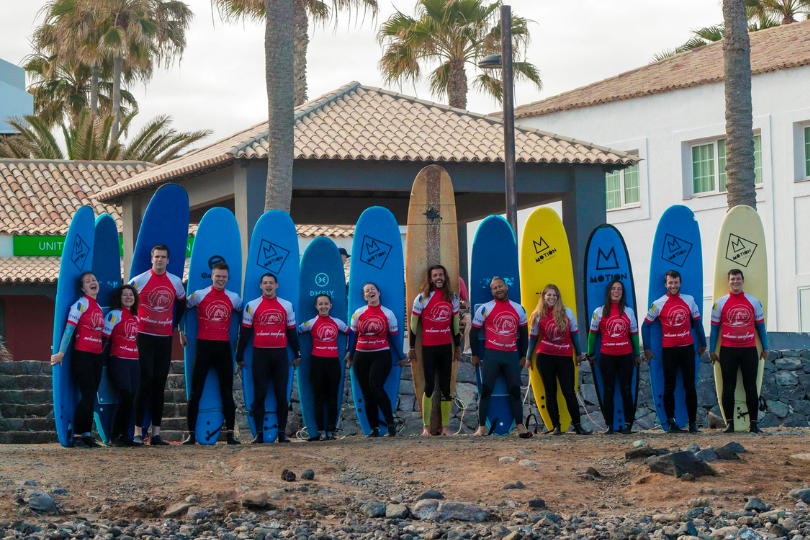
(142, 482)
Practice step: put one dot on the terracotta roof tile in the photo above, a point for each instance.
(359, 122)
(38, 270)
(781, 47)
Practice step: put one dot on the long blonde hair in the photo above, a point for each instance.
(558, 311)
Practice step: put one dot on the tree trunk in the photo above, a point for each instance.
(94, 90)
(116, 97)
(301, 21)
(278, 50)
(457, 87)
(739, 117)
(787, 18)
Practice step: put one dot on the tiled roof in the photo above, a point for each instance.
(359, 122)
(330, 231)
(39, 196)
(781, 47)
(37, 270)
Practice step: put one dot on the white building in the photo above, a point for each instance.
(672, 114)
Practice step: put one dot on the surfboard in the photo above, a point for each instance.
(164, 222)
(432, 239)
(546, 258)
(494, 253)
(217, 240)
(274, 249)
(606, 259)
(77, 258)
(741, 244)
(107, 268)
(377, 258)
(676, 246)
(321, 273)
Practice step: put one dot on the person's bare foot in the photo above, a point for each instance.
(445, 431)
(481, 432)
(426, 431)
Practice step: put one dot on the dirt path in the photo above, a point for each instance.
(142, 482)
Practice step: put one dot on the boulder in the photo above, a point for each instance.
(777, 408)
(176, 509)
(788, 363)
(431, 509)
(430, 494)
(795, 419)
(254, 499)
(756, 504)
(679, 463)
(588, 394)
(396, 511)
(786, 378)
(373, 509)
(726, 453)
(642, 452)
(707, 455)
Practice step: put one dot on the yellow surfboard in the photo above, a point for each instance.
(545, 258)
(432, 239)
(741, 244)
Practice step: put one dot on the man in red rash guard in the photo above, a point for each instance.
(678, 314)
(736, 318)
(271, 322)
(215, 307)
(158, 290)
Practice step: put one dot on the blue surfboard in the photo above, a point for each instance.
(676, 246)
(494, 253)
(217, 240)
(273, 248)
(377, 258)
(107, 268)
(606, 259)
(164, 222)
(321, 273)
(77, 258)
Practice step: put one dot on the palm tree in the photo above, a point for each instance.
(320, 12)
(452, 33)
(739, 115)
(788, 10)
(90, 138)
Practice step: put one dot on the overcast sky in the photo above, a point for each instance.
(220, 85)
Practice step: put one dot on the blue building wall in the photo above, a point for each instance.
(14, 100)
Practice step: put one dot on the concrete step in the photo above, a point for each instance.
(18, 410)
(28, 437)
(26, 397)
(25, 367)
(22, 382)
(27, 424)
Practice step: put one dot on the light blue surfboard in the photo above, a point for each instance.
(494, 253)
(606, 259)
(676, 246)
(107, 268)
(273, 248)
(77, 258)
(377, 258)
(321, 273)
(217, 241)
(164, 222)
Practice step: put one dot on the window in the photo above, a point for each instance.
(804, 310)
(622, 188)
(807, 151)
(709, 174)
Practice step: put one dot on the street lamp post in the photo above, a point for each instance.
(504, 63)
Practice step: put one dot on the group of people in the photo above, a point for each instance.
(137, 332)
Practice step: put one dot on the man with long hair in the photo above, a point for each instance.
(437, 308)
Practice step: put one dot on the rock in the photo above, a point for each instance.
(373, 509)
(688, 477)
(678, 463)
(802, 407)
(517, 535)
(588, 393)
(769, 420)
(527, 463)
(499, 531)
(666, 518)
(288, 475)
(308, 474)
(694, 447)
(734, 446)
(191, 499)
(593, 472)
(700, 502)
(396, 511)
(430, 494)
(506, 459)
(707, 455)
(726, 454)
(638, 444)
(789, 364)
(195, 512)
(786, 378)
(176, 509)
(778, 408)
(779, 530)
(757, 505)
(644, 452)
(41, 501)
(795, 419)
(254, 499)
(32, 483)
(725, 532)
(749, 534)
(801, 494)
(790, 393)
(514, 485)
(430, 509)
(59, 491)
(425, 509)
(537, 503)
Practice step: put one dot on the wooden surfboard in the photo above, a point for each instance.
(546, 258)
(741, 244)
(432, 239)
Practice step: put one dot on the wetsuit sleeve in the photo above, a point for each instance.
(66, 337)
(456, 330)
(575, 343)
(592, 342)
(635, 343)
(396, 350)
(474, 339)
(245, 334)
(763, 335)
(713, 337)
(352, 348)
(292, 340)
(181, 311)
(698, 326)
(573, 329)
(532, 347)
(523, 339)
(645, 334)
(412, 330)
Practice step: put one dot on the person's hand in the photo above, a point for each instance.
(57, 358)
(701, 350)
(403, 362)
(240, 365)
(638, 360)
(764, 354)
(348, 360)
(713, 357)
(457, 354)
(296, 361)
(412, 355)
(183, 339)
(648, 354)
(524, 363)
(580, 359)
(475, 361)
